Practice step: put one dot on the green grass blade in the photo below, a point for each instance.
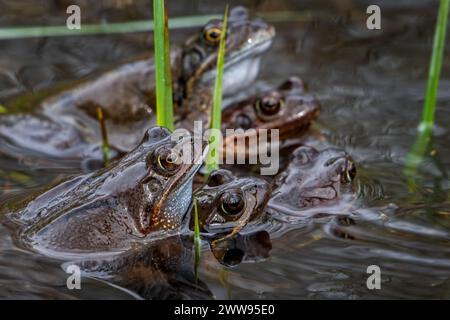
(197, 240)
(2, 109)
(420, 147)
(105, 140)
(168, 74)
(158, 19)
(163, 70)
(216, 114)
(104, 28)
(435, 65)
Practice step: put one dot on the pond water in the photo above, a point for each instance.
(370, 85)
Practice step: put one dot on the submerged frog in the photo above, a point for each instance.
(226, 204)
(137, 198)
(313, 179)
(65, 126)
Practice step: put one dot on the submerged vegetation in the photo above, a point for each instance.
(105, 140)
(421, 144)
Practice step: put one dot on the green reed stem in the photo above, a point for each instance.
(105, 140)
(3, 109)
(420, 146)
(435, 65)
(197, 240)
(216, 114)
(104, 28)
(168, 73)
(164, 112)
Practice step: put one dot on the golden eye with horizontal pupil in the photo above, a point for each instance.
(212, 35)
(232, 203)
(168, 160)
(270, 105)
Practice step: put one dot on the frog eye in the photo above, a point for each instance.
(232, 203)
(212, 35)
(270, 105)
(243, 121)
(168, 160)
(350, 173)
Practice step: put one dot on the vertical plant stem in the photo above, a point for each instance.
(168, 73)
(105, 141)
(216, 114)
(435, 66)
(164, 112)
(2, 109)
(420, 146)
(197, 241)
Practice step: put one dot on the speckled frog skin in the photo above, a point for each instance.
(142, 196)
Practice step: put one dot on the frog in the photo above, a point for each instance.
(287, 109)
(65, 125)
(140, 197)
(313, 180)
(226, 204)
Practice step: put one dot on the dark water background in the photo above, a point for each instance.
(371, 86)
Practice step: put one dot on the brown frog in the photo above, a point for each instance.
(313, 179)
(65, 125)
(287, 109)
(142, 196)
(226, 204)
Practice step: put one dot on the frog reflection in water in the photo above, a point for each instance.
(143, 195)
(165, 269)
(65, 126)
(313, 180)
